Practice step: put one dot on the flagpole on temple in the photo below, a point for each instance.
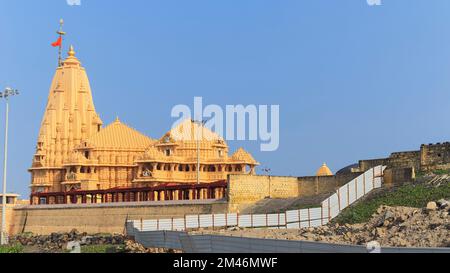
(61, 34)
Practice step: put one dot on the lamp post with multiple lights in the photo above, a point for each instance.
(8, 92)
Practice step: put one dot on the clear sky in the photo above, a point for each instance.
(353, 81)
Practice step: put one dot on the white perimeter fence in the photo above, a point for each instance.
(303, 218)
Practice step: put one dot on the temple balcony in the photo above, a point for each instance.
(80, 177)
(42, 184)
(180, 177)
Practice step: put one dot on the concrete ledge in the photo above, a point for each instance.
(122, 205)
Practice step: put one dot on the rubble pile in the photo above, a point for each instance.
(58, 242)
(389, 226)
(134, 247)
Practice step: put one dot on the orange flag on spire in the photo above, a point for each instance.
(58, 42)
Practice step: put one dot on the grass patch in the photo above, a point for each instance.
(441, 172)
(11, 249)
(304, 206)
(102, 249)
(416, 196)
(420, 174)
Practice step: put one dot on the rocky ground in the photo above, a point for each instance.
(389, 226)
(58, 242)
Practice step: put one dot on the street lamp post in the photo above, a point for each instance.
(200, 125)
(8, 92)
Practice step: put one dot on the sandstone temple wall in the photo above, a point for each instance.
(246, 190)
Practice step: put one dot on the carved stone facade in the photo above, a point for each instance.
(75, 153)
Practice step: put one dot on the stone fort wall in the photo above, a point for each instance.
(429, 157)
(435, 156)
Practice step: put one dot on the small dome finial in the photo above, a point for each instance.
(117, 119)
(71, 51)
(324, 171)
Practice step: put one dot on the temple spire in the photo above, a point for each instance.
(71, 51)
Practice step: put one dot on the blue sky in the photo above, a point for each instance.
(353, 81)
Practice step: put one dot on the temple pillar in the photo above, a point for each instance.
(217, 193)
(138, 197)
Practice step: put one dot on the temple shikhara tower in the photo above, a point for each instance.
(69, 118)
(78, 160)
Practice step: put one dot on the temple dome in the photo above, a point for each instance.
(243, 156)
(189, 130)
(324, 171)
(71, 60)
(119, 136)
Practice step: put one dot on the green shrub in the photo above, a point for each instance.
(101, 249)
(11, 249)
(407, 196)
(441, 172)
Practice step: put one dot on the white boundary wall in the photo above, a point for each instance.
(294, 219)
(226, 244)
